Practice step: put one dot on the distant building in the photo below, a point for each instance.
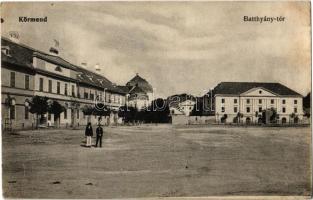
(27, 72)
(139, 92)
(252, 102)
(182, 104)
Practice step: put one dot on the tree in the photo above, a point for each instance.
(38, 106)
(56, 109)
(273, 115)
(198, 108)
(101, 110)
(238, 116)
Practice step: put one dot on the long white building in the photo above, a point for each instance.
(252, 102)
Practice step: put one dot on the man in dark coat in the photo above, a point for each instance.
(99, 132)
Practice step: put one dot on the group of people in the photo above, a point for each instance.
(89, 134)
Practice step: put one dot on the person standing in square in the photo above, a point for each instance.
(99, 132)
(88, 134)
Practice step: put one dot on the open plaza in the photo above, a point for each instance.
(158, 161)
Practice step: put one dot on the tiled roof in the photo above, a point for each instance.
(55, 60)
(237, 88)
(123, 88)
(97, 80)
(137, 90)
(141, 82)
(20, 55)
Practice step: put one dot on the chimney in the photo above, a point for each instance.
(54, 50)
(14, 36)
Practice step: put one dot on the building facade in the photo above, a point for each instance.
(250, 102)
(27, 72)
(139, 92)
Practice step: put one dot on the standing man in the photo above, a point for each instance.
(99, 132)
(88, 134)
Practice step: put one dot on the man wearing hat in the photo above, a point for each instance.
(99, 132)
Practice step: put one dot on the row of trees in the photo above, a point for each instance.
(41, 105)
(157, 112)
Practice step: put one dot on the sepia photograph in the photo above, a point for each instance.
(156, 99)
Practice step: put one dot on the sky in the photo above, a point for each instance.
(178, 47)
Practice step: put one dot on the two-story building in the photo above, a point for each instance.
(27, 72)
(252, 102)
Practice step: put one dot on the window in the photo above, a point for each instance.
(77, 113)
(260, 91)
(26, 113)
(40, 84)
(26, 82)
(223, 109)
(65, 89)
(58, 69)
(260, 101)
(223, 100)
(65, 113)
(248, 109)
(50, 86)
(235, 109)
(284, 109)
(77, 92)
(295, 110)
(12, 112)
(58, 87)
(284, 101)
(295, 101)
(73, 91)
(272, 101)
(86, 95)
(248, 101)
(260, 109)
(91, 96)
(49, 116)
(6, 50)
(12, 79)
(235, 100)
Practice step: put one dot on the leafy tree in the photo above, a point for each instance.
(39, 106)
(56, 109)
(101, 110)
(198, 108)
(87, 110)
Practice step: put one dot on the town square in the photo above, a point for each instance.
(115, 100)
(158, 161)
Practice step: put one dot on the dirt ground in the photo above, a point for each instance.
(157, 161)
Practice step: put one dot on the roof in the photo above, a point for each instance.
(140, 82)
(136, 90)
(176, 99)
(123, 88)
(237, 88)
(20, 55)
(55, 60)
(91, 78)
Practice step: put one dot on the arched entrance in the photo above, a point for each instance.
(284, 120)
(248, 120)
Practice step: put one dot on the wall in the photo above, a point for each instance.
(183, 120)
